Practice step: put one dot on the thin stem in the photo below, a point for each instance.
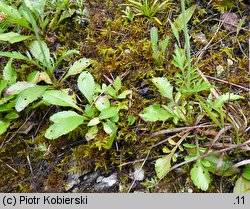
(35, 29)
(187, 45)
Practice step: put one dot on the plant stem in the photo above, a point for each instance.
(35, 29)
(187, 45)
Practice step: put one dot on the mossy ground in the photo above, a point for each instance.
(121, 47)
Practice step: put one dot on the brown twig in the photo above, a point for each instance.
(227, 82)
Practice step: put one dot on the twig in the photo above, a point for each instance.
(173, 130)
(145, 159)
(223, 130)
(227, 82)
(9, 166)
(31, 170)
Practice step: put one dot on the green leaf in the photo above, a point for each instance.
(164, 87)
(131, 120)
(246, 172)
(77, 67)
(61, 98)
(163, 45)
(162, 165)
(64, 122)
(9, 73)
(41, 54)
(200, 176)
(13, 37)
(117, 83)
(86, 85)
(109, 127)
(102, 103)
(36, 6)
(242, 185)
(175, 32)
(18, 87)
(6, 99)
(3, 84)
(36, 77)
(190, 146)
(28, 96)
(219, 102)
(112, 136)
(90, 111)
(108, 113)
(155, 113)
(93, 122)
(154, 36)
(13, 15)
(179, 23)
(124, 94)
(15, 55)
(4, 126)
(65, 54)
(111, 91)
(225, 165)
(11, 116)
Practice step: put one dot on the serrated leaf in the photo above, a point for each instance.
(124, 94)
(219, 102)
(4, 126)
(77, 67)
(41, 54)
(18, 87)
(13, 37)
(242, 185)
(28, 96)
(93, 122)
(108, 113)
(61, 98)
(86, 85)
(200, 176)
(162, 165)
(164, 87)
(102, 103)
(155, 113)
(64, 122)
(117, 83)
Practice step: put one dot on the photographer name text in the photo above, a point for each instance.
(45, 200)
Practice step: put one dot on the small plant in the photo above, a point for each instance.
(99, 112)
(159, 49)
(148, 8)
(127, 13)
(182, 101)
